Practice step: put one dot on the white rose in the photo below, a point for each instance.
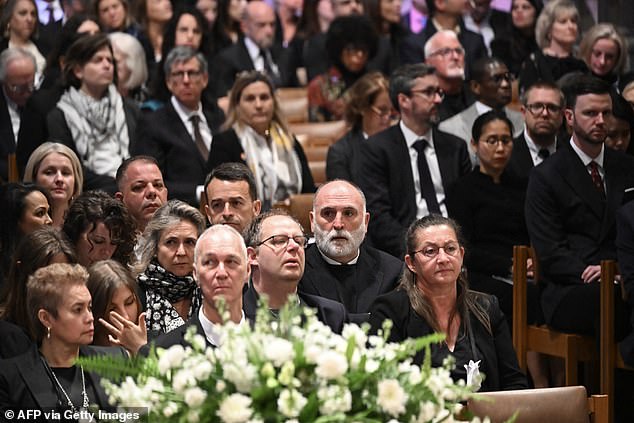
(334, 399)
(194, 397)
(428, 411)
(279, 351)
(236, 408)
(170, 409)
(182, 380)
(242, 376)
(371, 366)
(290, 403)
(391, 397)
(331, 365)
(170, 358)
(203, 370)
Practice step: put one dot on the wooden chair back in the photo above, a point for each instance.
(298, 206)
(318, 133)
(318, 170)
(316, 153)
(572, 348)
(562, 405)
(12, 168)
(295, 110)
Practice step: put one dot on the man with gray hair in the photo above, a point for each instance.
(444, 52)
(407, 168)
(221, 268)
(179, 135)
(17, 75)
(339, 265)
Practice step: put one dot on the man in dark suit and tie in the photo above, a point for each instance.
(254, 51)
(339, 265)
(407, 168)
(179, 135)
(276, 243)
(543, 111)
(571, 205)
(486, 21)
(444, 14)
(17, 75)
(221, 268)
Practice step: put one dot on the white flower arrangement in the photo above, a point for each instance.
(292, 370)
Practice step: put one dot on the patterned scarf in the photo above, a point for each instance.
(162, 289)
(98, 128)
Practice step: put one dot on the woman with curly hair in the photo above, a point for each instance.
(100, 228)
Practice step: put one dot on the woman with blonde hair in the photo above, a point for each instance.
(256, 135)
(605, 52)
(556, 33)
(57, 168)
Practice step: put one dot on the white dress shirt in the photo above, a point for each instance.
(185, 114)
(585, 159)
(534, 148)
(211, 329)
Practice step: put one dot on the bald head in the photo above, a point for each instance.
(259, 23)
(339, 220)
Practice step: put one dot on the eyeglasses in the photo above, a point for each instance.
(281, 241)
(444, 52)
(20, 88)
(431, 251)
(538, 108)
(385, 113)
(508, 77)
(191, 74)
(430, 92)
(494, 141)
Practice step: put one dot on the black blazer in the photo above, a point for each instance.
(570, 225)
(226, 148)
(330, 312)
(388, 183)
(15, 341)
(163, 135)
(413, 46)
(495, 350)
(235, 59)
(379, 271)
(521, 161)
(59, 131)
(25, 384)
(7, 138)
(344, 157)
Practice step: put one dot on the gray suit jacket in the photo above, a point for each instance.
(460, 126)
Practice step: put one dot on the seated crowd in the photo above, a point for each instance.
(152, 155)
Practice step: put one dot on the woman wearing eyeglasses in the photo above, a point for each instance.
(488, 203)
(368, 111)
(351, 43)
(165, 267)
(556, 33)
(433, 296)
(91, 117)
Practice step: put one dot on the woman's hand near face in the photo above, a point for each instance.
(126, 333)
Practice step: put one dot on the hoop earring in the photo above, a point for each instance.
(48, 333)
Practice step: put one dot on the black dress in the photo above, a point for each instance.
(542, 67)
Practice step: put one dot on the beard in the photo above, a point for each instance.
(340, 248)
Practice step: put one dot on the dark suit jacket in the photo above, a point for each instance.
(235, 59)
(7, 138)
(344, 157)
(329, 312)
(25, 383)
(379, 272)
(413, 46)
(226, 147)
(521, 162)
(15, 341)
(163, 135)
(625, 248)
(59, 131)
(570, 225)
(495, 350)
(388, 183)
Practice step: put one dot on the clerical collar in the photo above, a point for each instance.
(336, 263)
(210, 328)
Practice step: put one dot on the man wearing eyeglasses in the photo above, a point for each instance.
(179, 135)
(339, 265)
(276, 243)
(17, 75)
(491, 86)
(542, 108)
(444, 52)
(407, 168)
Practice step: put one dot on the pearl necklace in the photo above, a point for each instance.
(84, 396)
